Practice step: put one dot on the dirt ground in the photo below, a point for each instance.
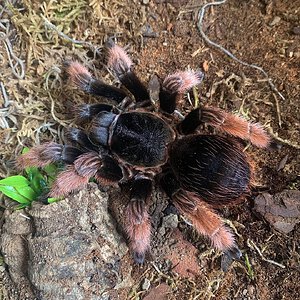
(162, 37)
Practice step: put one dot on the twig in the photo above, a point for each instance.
(252, 245)
(231, 225)
(278, 110)
(283, 141)
(24, 216)
(228, 53)
(196, 97)
(18, 72)
(5, 97)
(51, 26)
(55, 118)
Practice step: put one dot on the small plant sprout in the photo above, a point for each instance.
(30, 187)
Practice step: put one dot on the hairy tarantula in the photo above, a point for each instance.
(133, 142)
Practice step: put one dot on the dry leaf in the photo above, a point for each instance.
(282, 163)
(205, 66)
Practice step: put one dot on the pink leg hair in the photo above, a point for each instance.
(138, 228)
(78, 74)
(118, 60)
(68, 181)
(205, 221)
(182, 81)
(236, 126)
(77, 175)
(40, 156)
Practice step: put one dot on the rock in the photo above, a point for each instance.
(146, 284)
(147, 31)
(161, 292)
(170, 221)
(297, 54)
(161, 231)
(282, 210)
(183, 256)
(296, 30)
(275, 21)
(72, 252)
(251, 290)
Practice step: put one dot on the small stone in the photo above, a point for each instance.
(146, 284)
(165, 44)
(251, 290)
(296, 30)
(147, 31)
(161, 231)
(161, 292)
(245, 292)
(281, 210)
(146, 2)
(183, 256)
(275, 21)
(170, 221)
(282, 51)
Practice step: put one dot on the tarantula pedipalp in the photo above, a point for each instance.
(129, 143)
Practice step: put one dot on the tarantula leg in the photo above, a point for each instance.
(47, 153)
(203, 218)
(77, 175)
(121, 65)
(227, 122)
(205, 221)
(79, 138)
(228, 257)
(110, 172)
(175, 85)
(86, 112)
(82, 78)
(137, 224)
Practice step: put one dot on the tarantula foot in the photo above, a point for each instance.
(229, 256)
(139, 258)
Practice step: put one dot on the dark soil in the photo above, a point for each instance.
(162, 37)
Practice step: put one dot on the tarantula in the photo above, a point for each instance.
(134, 141)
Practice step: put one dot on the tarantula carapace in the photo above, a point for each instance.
(136, 142)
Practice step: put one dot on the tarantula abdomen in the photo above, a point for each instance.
(213, 167)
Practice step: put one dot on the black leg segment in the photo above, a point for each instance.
(82, 78)
(86, 112)
(190, 122)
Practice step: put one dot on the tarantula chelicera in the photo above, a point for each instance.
(135, 141)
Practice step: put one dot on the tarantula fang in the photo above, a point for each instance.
(127, 141)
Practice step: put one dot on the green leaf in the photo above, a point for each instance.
(51, 170)
(31, 171)
(21, 206)
(25, 150)
(15, 181)
(27, 192)
(52, 200)
(38, 183)
(12, 193)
